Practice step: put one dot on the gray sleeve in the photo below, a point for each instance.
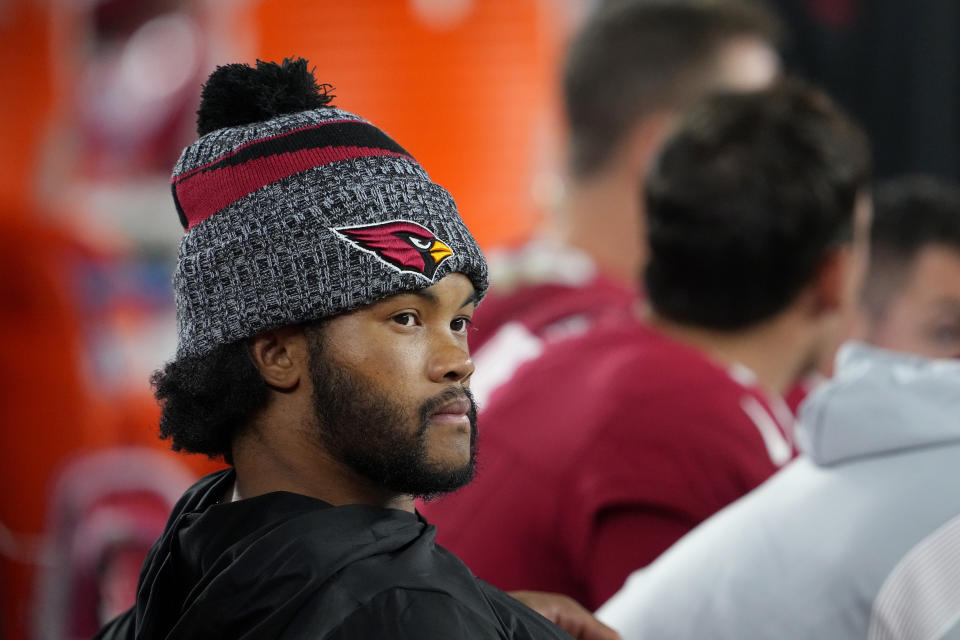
(919, 598)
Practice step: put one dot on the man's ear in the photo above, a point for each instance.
(646, 138)
(281, 356)
(834, 284)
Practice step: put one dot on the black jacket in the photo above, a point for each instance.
(283, 565)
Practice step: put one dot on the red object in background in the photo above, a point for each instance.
(45, 411)
(837, 14)
(118, 583)
(26, 74)
(139, 69)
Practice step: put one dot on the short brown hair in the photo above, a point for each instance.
(633, 57)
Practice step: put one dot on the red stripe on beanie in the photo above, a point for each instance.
(201, 195)
(258, 141)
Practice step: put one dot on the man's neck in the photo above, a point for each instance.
(602, 213)
(776, 351)
(601, 217)
(301, 466)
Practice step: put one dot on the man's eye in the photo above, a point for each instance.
(460, 324)
(406, 319)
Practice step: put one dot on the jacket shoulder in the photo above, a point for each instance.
(409, 614)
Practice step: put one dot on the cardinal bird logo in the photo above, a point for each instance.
(404, 245)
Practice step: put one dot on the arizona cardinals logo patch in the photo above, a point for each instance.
(404, 245)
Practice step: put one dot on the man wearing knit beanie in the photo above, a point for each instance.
(324, 290)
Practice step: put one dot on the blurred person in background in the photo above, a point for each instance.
(628, 71)
(612, 445)
(911, 298)
(860, 537)
(324, 290)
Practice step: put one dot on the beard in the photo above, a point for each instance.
(370, 432)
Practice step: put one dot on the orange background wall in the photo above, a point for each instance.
(470, 100)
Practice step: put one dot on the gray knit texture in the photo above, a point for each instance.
(272, 259)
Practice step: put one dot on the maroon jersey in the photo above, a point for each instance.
(541, 294)
(602, 452)
(549, 310)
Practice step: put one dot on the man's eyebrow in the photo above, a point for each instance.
(432, 297)
(427, 295)
(470, 298)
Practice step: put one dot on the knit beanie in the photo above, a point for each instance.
(295, 210)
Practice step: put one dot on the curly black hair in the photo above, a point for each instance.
(206, 400)
(746, 199)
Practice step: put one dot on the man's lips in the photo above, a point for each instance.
(452, 411)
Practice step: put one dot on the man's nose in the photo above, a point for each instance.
(451, 363)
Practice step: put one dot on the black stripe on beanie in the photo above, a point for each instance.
(334, 134)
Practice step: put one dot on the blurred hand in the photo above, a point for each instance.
(566, 613)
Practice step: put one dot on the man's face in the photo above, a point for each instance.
(922, 316)
(390, 389)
